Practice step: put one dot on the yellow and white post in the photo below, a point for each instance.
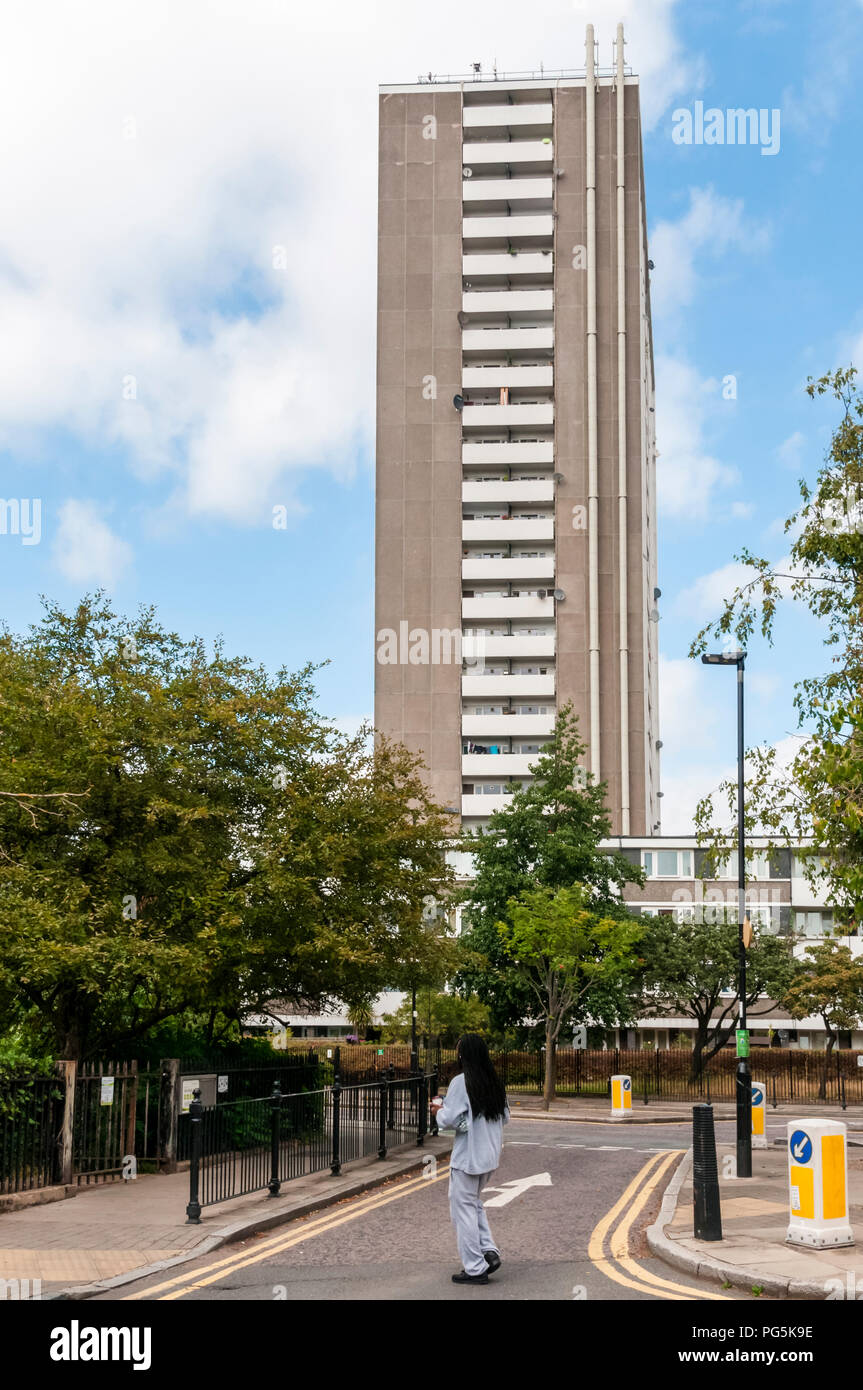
(818, 1184)
(759, 1115)
(621, 1097)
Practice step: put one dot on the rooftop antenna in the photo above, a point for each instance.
(477, 67)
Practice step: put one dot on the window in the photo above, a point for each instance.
(757, 866)
(813, 924)
(667, 863)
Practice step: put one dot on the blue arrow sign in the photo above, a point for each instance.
(801, 1146)
(757, 1095)
(627, 1084)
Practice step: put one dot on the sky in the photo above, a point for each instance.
(187, 295)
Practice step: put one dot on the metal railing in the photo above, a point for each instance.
(248, 1145)
(31, 1119)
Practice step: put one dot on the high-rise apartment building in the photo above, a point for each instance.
(515, 440)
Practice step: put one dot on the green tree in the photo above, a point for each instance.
(828, 983)
(571, 958)
(691, 971)
(202, 840)
(820, 792)
(442, 1016)
(547, 838)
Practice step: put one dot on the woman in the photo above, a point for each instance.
(475, 1107)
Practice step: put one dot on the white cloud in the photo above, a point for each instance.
(705, 598)
(790, 451)
(170, 149)
(688, 476)
(712, 226)
(742, 511)
(86, 550)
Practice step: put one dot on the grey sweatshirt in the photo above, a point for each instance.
(478, 1143)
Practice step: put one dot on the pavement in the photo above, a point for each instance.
(115, 1232)
(596, 1110)
(753, 1253)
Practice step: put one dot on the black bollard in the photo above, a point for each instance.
(705, 1176)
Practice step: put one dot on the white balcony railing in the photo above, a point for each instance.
(507, 301)
(515, 567)
(515, 646)
(507, 687)
(530, 113)
(493, 340)
(515, 529)
(520, 224)
(510, 152)
(514, 606)
(508, 264)
(494, 765)
(508, 453)
(511, 191)
(473, 377)
(476, 416)
(487, 726)
(535, 490)
(483, 805)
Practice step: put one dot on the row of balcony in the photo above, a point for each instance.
(515, 645)
(491, 377)
(514, 529)
(508, 117)
(509, 606)
(508, 490)
(491, 686)
(508, 264)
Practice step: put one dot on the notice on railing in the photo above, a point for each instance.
(190, 1086)
(106, 1092)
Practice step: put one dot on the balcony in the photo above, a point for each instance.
(488, 528)
(484, 805)
(508, 453)
(527, 156)
(507, 301)
(538, 490)
(524, 191)
(483, 417)
(535, 229)
(489, 726)
(510, 608)
(480, 377)
(507, 687)
(508, 264)
(514, 567)
(493, 340)
(494, 765)
(517, 645)
(507, 117)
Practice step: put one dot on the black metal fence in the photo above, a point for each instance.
(248, 1145)
(103, 1135)
(658, 1075)
(31, 1118)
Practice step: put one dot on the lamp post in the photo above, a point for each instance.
(744, 1076)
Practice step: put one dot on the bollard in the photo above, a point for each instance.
(196, 1112)
(382, 1119)
(336, 1095)
(621, 1096)
(818, 1184)
(759, 1115)
(705, 1176)
(275, 1126)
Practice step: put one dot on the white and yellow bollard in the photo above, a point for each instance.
(759, 1115)
(818, 1184)
(621, 1097)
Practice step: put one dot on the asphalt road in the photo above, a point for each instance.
(575, 1233)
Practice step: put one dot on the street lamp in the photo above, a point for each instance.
(744, 1076)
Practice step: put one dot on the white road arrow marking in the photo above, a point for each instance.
(514, 1188)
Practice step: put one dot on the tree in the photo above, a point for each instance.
(442, 1016)
(691, 970)
(820, 793)
(828, 982)
(547, 838)
(232, 847)
(570, 957)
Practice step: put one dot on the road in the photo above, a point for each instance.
(577, 1236)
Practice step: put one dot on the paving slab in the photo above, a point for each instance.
(753, 1249)
(118, 1232)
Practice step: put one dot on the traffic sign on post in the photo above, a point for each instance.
(621, 1097)
(759, 1113)
(818, 1184)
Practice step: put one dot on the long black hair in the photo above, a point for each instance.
(485, 1089)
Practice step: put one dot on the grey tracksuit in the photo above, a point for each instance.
(475, 1156)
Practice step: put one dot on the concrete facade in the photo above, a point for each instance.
(505, 517)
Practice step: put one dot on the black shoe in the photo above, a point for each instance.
(492, 1259)
(463, 1278)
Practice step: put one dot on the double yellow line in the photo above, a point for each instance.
(212, 1273)
(618, 1264)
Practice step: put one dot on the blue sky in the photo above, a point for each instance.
(187, 291)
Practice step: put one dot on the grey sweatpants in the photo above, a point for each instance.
(469, 1219)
